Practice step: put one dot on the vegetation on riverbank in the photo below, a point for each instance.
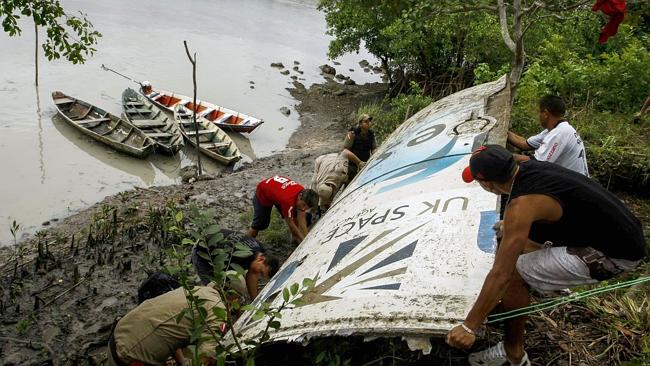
(603, 85)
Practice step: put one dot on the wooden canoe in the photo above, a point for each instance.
(152, 121)
(224, 118)
(103, 126)
(213, 142)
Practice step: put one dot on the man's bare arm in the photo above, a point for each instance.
(302, 222)
(518, 141)
(293, 228)
(351, 156)
(519, 216)
(519, 158)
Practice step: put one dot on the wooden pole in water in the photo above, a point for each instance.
(36, 50)
(196, 126)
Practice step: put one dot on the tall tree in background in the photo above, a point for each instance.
(443, 41)
(68, 36)
(515, 19)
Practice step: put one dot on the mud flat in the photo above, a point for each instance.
(57, 307)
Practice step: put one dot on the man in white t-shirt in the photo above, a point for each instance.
(559, 142)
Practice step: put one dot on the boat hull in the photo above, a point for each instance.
(102, 126)
(152, 121)
(213, 142)
(224, 118)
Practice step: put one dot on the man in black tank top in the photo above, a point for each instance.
(589, 235)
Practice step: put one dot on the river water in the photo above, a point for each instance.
(49, 170)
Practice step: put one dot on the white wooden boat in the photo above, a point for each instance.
(103, 126)
(213, 142)
(224, 118)
(152, 121)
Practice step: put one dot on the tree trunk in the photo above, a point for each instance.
(196, 125)
(515, 43)
(519, 57)
(386, 66)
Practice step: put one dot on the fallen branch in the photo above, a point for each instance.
(66, 291)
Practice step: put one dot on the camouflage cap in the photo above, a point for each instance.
(363, 117)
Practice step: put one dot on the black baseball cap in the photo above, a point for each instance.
(491, 163)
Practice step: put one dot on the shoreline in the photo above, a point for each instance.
(68, 306)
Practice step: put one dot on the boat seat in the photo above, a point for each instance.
(246, 122)
(138, 110)
(126, 137)
(158, 134)
(201, 132)
(81, 116)
(223, 118)
(63, 101)
(215, 145)
(205, 112)
(148, 123)
(92, 120)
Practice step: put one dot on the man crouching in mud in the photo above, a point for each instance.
(589, 235)
(150, 334)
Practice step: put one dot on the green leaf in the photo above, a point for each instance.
(239, 269)
(321, 356)
(299, 302)
(247, 307)
(286, 294)
(242, 253)
(180, 316)
(274, 324)
(220, 313)
(307, 282)
(179, 216)
(250, 361)
(205, 256)
(196, 333)
(221, 361)
(240, 246)
(202, 312)
(214, 239)
(259, 315)
(294, 289)
(212, 229)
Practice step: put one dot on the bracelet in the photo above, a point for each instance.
(468, 329)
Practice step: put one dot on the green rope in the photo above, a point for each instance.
(563, 300)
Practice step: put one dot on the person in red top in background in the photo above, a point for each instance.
(290, 198)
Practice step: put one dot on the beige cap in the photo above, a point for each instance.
(363, 117)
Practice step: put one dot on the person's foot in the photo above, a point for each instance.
(495, 356)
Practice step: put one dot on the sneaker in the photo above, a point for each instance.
(494, 356)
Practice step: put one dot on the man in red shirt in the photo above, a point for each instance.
(290, 198)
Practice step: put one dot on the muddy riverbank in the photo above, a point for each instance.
(58, 307)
